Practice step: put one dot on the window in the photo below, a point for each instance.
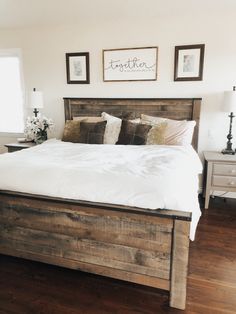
(11, 92)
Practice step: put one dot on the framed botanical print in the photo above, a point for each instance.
(77, 68)
(189, 61)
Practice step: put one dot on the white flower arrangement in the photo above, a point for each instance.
(36, 128)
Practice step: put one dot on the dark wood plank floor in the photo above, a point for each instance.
(33, 288)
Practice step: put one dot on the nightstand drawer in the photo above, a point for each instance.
(224, 181)
(223, 169)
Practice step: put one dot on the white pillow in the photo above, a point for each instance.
(112, 130)
(178, 132)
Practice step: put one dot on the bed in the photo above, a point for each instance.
(148, 247)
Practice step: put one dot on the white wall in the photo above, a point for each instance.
(44, 63)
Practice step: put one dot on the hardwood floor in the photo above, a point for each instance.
(33, 288)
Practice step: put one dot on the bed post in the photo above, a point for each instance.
(196, 117)
(67, 108)
(179, 265)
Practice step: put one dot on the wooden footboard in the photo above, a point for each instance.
(136, 245)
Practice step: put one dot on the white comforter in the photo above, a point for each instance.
(147, 176)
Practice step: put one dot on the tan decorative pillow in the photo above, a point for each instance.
(88, 119)
(71, 131)
(156, 136)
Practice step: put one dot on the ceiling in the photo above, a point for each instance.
(37, 13)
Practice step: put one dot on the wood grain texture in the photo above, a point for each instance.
(146, 262)
(179, 265)
(119, 244)
(172, 108)
(90, 236)
(28, 287)
(134, 232)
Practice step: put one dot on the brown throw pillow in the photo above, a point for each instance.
(92, 132)
(71, 131)
(133, 133)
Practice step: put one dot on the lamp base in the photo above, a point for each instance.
(228, 151)
(35, 112)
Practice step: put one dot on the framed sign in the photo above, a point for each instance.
(189, 63)
(130, 64)
(77, 68)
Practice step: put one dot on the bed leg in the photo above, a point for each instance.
(179, 267)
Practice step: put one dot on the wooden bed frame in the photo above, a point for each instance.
(133, 244)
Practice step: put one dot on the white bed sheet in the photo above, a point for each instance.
(147, 176)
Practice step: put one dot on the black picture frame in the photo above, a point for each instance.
(188, 64)
(77, 68)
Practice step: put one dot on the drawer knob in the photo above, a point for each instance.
(232, 183)
(233, 170)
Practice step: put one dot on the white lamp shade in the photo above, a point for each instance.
(229, 102)
(36, 99)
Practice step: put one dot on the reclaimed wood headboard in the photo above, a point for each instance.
(131, 108)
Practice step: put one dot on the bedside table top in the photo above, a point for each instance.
(21, 145)
(218, 156)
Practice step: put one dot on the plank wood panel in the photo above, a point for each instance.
(129, 114)
(120, 229)
(179, 265)
(87, 262)
(79, 234)
(155, 264)
(48, 224)
(139, 226)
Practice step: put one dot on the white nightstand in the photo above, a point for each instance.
(220, 174)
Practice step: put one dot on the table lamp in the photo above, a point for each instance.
(36, 101)
(229, 105)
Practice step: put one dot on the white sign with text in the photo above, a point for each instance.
(131, 64)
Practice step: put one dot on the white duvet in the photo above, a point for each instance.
(147, 176)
